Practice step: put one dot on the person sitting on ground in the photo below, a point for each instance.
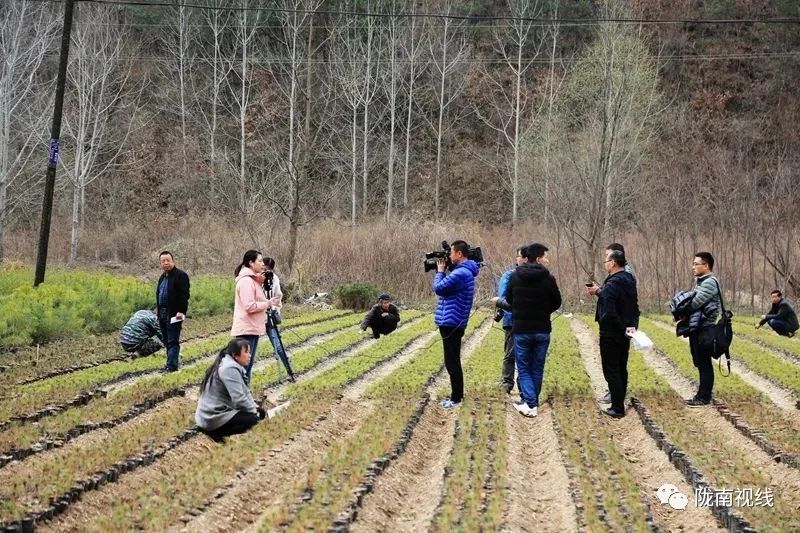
(781, 316)
(226, 406)
(138, 332)
(383, 318)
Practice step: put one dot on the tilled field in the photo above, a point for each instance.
(362, 444)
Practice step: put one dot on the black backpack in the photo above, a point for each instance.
(716, 340)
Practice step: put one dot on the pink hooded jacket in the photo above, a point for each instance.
(250, 305)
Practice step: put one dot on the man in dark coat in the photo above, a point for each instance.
(617, 315)
(172, 301)
(383, 318)
(781, 317)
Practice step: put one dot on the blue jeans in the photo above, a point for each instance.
(277, 346)
(172, 335)
(530, 353)
(253, 340)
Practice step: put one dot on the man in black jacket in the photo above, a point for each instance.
(172, 300)
(383, 318)
(531, 295)
(781, 316)
(618, 317)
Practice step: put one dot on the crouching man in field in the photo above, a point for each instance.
(781, 317)
(383, 318)
(137, 334)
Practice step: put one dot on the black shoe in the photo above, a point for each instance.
(613, 413)
(291, 377)
(168, 368)
(790, 334)
(696, 402)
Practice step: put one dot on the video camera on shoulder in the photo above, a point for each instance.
(429, 263)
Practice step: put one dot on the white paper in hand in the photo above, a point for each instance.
(175, 319)
(641, 341)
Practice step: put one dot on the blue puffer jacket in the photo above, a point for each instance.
(455, 291)
(502, 285)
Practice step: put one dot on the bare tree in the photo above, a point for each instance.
(448, 48)
(209, 91)
(101, 104)
(347, 73)
(176, 70)
(26, 35)
(608, 114)
(391, 74)
(509, 111)
(370, 90)
(412, 44)
(296, 194)
(241, 82)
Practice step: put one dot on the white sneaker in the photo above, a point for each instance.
(524, 410)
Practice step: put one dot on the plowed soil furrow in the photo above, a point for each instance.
(650, 465)
(408, 492)
(538, 484)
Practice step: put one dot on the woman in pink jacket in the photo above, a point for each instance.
(250, 304)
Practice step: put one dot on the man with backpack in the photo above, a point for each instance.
(706, 291)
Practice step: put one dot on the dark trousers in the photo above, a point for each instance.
(781, 327)
(705, 366)
(451, 341)
(253, 341)
(241, 422)
(614, 350)
(508, 359)
(380, 326)
(172, 334)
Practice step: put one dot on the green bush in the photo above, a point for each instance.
(357, 296)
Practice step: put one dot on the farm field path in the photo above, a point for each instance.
(709, 418)
(407, 494)
(266, 482)
(651, 465)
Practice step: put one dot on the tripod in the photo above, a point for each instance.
(274, 334)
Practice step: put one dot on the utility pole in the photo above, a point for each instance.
(55, 133)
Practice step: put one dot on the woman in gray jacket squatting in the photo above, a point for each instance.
(226, 406)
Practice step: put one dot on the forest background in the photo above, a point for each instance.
(347, 145)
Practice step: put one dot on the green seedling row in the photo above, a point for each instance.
(63, 388)
(115, 405)
(361, 362)
(474, 490)
(754, 407)
(334, 477)
(765, 335)
(77, 463)
(187, 486)
(607, 484)
(763, 361)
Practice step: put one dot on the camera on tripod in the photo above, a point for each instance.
(429, 263)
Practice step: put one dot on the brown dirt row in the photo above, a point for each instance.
(650, 465)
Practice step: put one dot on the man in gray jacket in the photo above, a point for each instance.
(706, 289)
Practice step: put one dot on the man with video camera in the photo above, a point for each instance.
(455, 291)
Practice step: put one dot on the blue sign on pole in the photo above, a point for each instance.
(54, 148)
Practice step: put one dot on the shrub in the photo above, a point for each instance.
(357, 296)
